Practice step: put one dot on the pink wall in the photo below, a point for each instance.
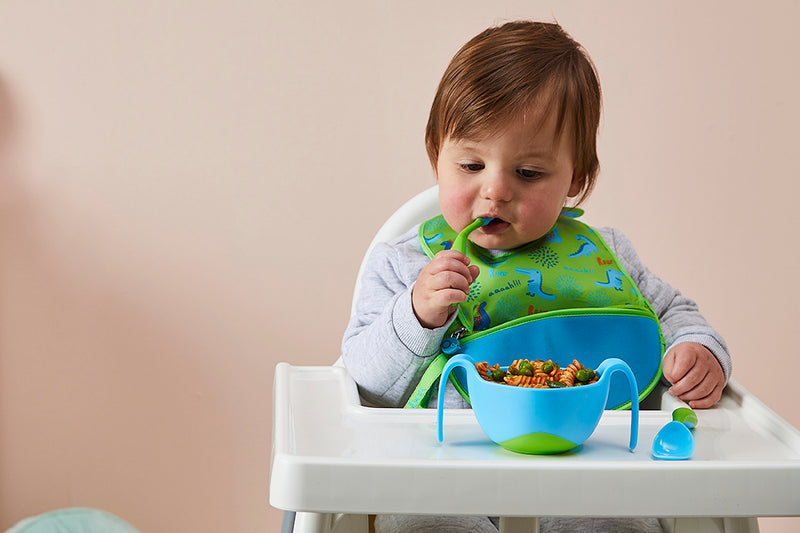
(186, 190)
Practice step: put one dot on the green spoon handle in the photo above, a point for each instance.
(460, 242)
(685, 416)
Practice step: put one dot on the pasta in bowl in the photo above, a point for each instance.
(547, 420)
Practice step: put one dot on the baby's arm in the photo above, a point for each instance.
(385, 348)
(697, 363)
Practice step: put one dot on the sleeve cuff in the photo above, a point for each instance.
(419, 340)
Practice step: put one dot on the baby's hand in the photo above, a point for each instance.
(443, 282)
(695, 374)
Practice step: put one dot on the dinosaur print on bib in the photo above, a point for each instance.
(570, 267)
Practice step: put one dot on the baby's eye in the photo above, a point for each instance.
(471, 167)
(529, 174)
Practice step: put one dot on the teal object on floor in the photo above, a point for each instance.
(73, 520)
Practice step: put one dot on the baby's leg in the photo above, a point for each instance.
(600, 525)
(396, 523)
(479, 524)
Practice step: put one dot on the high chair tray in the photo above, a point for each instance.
(332, 455)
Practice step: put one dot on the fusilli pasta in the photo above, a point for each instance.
(537, 374)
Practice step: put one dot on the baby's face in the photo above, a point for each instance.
(521, 175)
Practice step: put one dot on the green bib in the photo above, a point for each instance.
(570, 267)
(567, 290)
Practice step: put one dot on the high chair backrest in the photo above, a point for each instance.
(418, 209)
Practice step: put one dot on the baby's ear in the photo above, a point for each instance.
(576, 186)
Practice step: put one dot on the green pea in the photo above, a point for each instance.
(525, 368)
(585, 374)
(497, 375)
(555, 384)
(548, 367)
(513, 370)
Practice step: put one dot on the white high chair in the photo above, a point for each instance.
(734, 461)
(420, 208)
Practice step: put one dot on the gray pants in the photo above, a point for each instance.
(482, 524)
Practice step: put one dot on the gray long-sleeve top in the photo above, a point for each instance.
(386, 350)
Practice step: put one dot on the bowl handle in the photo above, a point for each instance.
(456, 360)
(608, 367)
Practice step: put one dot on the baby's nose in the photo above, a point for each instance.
(496, 187)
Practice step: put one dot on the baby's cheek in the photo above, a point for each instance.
(457, 213)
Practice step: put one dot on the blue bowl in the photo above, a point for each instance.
(539, 421)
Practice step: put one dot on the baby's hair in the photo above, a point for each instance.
(506, 69)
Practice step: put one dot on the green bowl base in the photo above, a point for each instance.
(537, 443)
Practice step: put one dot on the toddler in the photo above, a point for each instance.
(511, 136)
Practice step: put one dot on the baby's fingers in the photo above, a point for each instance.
(677, 364)
(443, 282)
(704, 394)
(474, 271)
(449, 279)
(691, 386)
(452, 261)
(706, 401)
(447, 299)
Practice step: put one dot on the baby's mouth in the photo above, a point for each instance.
(496, 225)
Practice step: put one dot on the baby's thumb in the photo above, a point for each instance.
(668, 366)
(474, 271)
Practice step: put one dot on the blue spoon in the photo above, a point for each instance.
(675, 440)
